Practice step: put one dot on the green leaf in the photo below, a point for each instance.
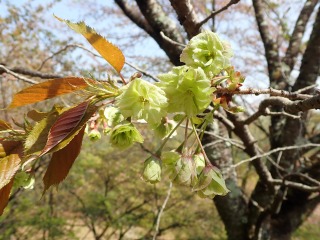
(107, 50)
(62, 161)
(47, 90)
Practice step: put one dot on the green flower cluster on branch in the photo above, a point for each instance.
(179, 100)
(185, 92)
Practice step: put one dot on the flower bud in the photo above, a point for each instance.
(152, 170)
(124, 135)
(94, 135)
(211, 183)
(23, 179)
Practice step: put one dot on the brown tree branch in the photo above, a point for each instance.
(310, 67)
(214, 13)
(186, 16)
(290, 107)
(160, 22)
(134, 15)
(270, 91)
(298, 32)
(28, 72)
(270, 46)
(12, 73)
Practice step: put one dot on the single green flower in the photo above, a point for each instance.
(208, 51)
(152, 170)
(124, 135)
(94, 135)
(188, 90)
(142, 100)
(211, 183)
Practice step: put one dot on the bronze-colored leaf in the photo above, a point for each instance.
(47, 90)
(9, 165)
(64, 125)
(4, 196)
(107, 50)
(62, 161)
(4, 125)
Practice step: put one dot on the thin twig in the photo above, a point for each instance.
(161, 211)
(171, 41)
(143, 72)
(28, 80)
(274, 151)
(214, 13)
(270, 91)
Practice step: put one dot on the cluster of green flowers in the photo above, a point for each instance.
(185, 90)
(186, 169)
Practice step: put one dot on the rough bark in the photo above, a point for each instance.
(232, 208)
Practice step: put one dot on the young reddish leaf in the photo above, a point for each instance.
(64, 125)
(88, 114)
(10, 160)
(36, 116)
(47, 90)
(4, 196)
(9, 165)
(37, 137)
(107, 50)
(62, 161)
(4, 125)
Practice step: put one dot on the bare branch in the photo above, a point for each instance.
(280, 149)
(214, 13)
(161, 211)
(187, 16)
(270, 91)
(134, 15)
(296, 185)
(12, 73)
(171, 41)
(298, 32)
(310, 66)
(252, 149)
(28, 72)
(160, 22)
(143, 71)
(270, 46)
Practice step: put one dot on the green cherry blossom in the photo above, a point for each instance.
(208, 51)
(142, 100)
(124, 135)
(188, 90)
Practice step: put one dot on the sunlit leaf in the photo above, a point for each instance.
(8, 167)
(4, 196)
(62, 161)
(36, 116)
(47, 90)
(64, 125)
(107, 50)
(37, 138)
